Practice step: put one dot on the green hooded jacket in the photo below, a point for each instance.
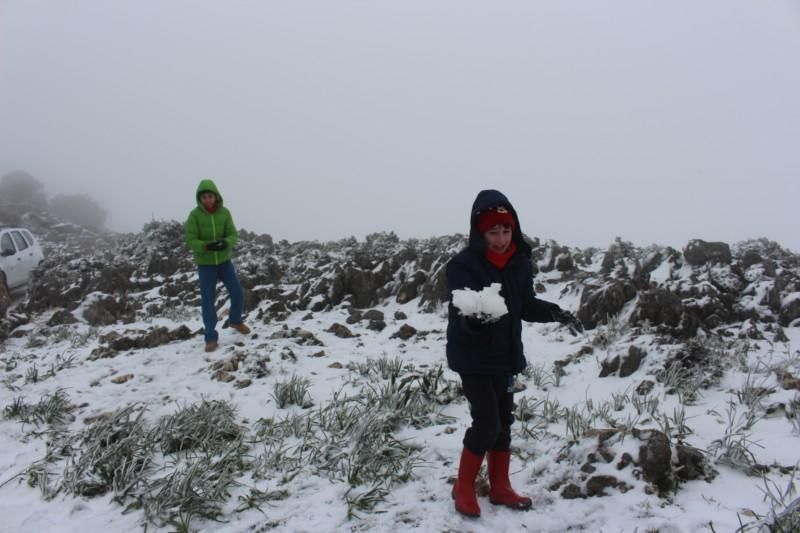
(203, 227)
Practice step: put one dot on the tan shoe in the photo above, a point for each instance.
(211, 346)
(241, 328)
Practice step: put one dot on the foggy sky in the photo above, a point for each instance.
(656, 122)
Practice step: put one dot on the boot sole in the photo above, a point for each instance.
(468, 515)
(522, 506)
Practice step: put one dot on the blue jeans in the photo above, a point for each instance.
(209, 275)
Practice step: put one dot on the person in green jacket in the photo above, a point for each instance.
(210, 235)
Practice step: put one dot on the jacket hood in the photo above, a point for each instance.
(488, 199)
(207, 185)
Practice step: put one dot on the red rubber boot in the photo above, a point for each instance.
(464, 488)
(500, 491)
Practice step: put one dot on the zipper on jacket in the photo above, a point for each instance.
(214, 234)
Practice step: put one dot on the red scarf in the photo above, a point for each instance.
(501, 259)
(212, 210)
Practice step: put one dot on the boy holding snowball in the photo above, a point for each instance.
(491, 288)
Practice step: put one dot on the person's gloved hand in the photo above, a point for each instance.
(477, 321)
(216, 246)
(473, 322)
(567, 318)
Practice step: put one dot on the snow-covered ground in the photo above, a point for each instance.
(547, 457)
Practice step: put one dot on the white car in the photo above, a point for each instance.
(20, 254)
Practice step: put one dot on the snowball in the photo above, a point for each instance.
(486, 304)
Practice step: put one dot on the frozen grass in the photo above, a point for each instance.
(186, 465)
(380, 434)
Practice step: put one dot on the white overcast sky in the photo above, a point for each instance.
(655, 121)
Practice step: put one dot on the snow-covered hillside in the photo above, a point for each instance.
(677, 410)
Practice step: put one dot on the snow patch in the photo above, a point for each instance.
(486, 304)
(790, 298)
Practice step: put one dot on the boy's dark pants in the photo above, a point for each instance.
(490, 404)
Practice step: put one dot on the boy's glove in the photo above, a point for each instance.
(473, 322)
(216, 246)
(567, 318)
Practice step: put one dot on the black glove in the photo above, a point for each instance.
(216, 246)
(473, 322)
(567, 318)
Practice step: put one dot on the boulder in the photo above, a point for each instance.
(5, 298)
(164, 263)
(405, 332)
(107, 310)
(155, 336)
(61, 317)
(572, 492)
(376, 325)
(658, 306)
(409, 289)
(750, 258)
(632, 361)
(112, 279)
(609, 366)
(655, 459)
(692, 464)
(434, 290)
(355, 316)
(597, 485)
(564, 262)
(363, 285)
(790, 309)
(645, 387)
(699, 252)
(340, 330)
(598, 302)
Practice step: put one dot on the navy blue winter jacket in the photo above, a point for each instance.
(494, 348)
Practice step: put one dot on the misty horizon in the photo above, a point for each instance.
(653, 123)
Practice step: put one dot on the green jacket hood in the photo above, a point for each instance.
(207, 185)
